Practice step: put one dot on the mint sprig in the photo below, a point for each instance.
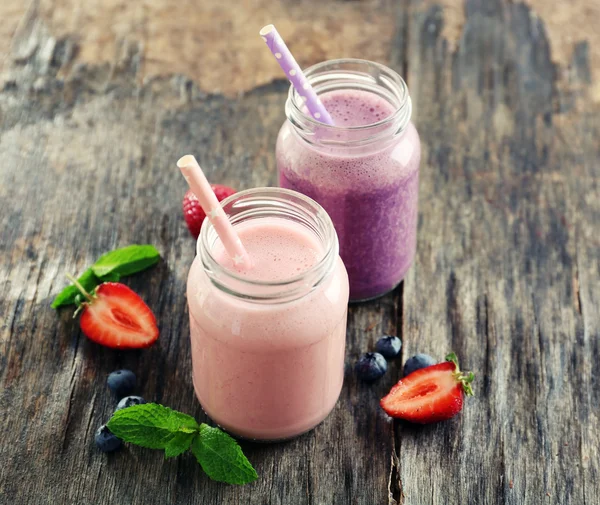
(110, 267)
(221, 457)
(156, 427)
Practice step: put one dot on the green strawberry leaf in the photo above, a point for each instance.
(88, 280)
(221, 457)
(155, 427)
(466, 378)
(126, 261)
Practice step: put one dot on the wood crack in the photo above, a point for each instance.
(405, 37)
(309, 486)
(86, 435)
(395, 486)
(540, 338)
(488, 357)
(503, 477)
(581, 467)
(576, 287)
(76, 349)
(73, 383)
(490, 346)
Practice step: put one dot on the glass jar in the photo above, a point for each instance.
(268, 356)
(365, 176)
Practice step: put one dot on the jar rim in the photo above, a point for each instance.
(319, 270)
(402, 110)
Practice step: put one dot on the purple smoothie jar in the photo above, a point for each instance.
(364, 171)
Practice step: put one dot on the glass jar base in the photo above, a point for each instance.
(368, 295)
(264, 440)
(268, 440)
(243, 434)
(376, 296)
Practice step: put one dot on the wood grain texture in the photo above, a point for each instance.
(568, 25)
(213, 42)
(509, 201)
(507, 273)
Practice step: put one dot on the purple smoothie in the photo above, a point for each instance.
(370, 189)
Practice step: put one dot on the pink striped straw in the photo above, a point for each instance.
(212, 208)
(294, 73)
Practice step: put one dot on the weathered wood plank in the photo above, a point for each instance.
(509, 190)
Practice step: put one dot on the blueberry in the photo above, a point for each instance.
(388, 346)
(106, 441)
(370, 366)
(121, 383)
(417, 362)
(129, 401)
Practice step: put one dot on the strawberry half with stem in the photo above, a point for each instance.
(115, 316)
(431, 394)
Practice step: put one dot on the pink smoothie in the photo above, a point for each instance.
(269, 370)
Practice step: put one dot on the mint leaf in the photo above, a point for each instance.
(154, 426)
(180, 443)
(88, 280)
(126, 261)
(221, 457)
(157, 427)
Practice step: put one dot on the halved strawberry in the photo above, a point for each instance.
(115, 316)
(430, 394)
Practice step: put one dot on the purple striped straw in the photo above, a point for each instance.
(294, 73)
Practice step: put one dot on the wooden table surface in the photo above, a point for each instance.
(98, 101)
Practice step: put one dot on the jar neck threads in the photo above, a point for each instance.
(351, 74)
(261, 203)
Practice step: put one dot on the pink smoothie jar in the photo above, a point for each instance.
(268, 343)
(364, 171)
